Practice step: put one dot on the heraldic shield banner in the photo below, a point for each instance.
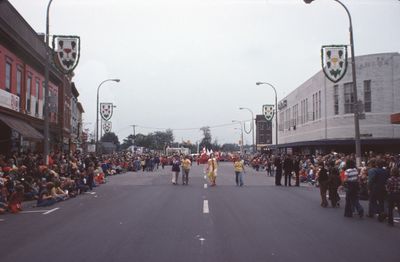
(66, 52)
(106, 111)
(269, 112)
(334, 61)
(107, 126)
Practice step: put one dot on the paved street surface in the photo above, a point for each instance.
(142, 217)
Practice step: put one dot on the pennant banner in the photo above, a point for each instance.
(107, 126)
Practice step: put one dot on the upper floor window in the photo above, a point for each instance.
(336, 99)
(19, 82)
(348, 98)
(37, 97)
(28, 94)
(8, 76)
(367, 96)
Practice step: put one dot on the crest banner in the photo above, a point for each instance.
(269, 112)
(334, 61)
(107, 126)
(66, 52)
(106, 111)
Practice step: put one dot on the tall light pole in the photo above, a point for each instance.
(353, 69)
(276, 111)
(241, 134)
(252, 125)
(97, 110)
(46, 89)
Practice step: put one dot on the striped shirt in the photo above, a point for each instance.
(351, 174)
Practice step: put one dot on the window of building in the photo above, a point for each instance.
(306, 110)
(28, 94)
(8, 76)
(367, 96)
(348, 98)
(281, 121)
(313, 107)
(19, 82)
(336, 99)
(319, 104)
(37, 97)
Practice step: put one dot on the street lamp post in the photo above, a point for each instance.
(97, 111)
(46, 90)
(353, 67)
(276, 111)
(252, 126)
(241, 134)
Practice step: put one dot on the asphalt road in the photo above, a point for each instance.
(143, 217)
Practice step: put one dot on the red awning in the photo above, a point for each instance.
(23, 128)
(395, 118)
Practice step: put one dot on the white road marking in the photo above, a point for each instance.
(205, 185)
(2, 220)
(33, 211)
(205, 177)
(51, 211)
(205, 207)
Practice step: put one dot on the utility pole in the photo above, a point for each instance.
(134, 134)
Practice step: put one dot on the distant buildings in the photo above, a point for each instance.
(318, 115)
(22, 61)
(263, 133)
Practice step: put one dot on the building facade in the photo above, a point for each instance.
(263, 133)
(22, 65)
(319, 114)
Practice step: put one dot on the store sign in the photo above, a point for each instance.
(9, 100)
(282, 104)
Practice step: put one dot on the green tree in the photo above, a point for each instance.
(110, 137)
(206, 141)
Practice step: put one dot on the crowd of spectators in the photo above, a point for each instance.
(25, 176)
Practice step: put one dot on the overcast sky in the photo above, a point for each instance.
(185, 64)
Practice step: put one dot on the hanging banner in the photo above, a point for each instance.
(106, 111)
(107, 126)
(269, 112)
(66, 52)
(334, 61)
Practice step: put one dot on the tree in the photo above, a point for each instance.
(110, 137)
(157, 140)
(206, 141)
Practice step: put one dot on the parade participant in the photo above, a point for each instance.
(288, 169)
(352, 189)
(239, 170)
(323, 181)
(377, 177)
(393, 190)
(334, 183)
(175, 169)
(212, 167)
(278, 171)
(186, 164)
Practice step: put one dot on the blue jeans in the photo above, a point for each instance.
(352, 200)
(239, 178)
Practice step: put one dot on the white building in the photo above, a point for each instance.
(318, 115)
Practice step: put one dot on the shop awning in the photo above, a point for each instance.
(395, 118)
(21, 127)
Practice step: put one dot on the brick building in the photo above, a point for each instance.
(22, 63)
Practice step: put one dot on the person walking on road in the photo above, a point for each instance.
(352, 189)
(278, 171)
(212, 167)
(334, 183)
(186, 164)
(288, 169)
(176, 163)
(239, 170)
(323, 180)
(377, 178)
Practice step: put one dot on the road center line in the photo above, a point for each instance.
(205, 207)
(205, 185)
(51, 211)
(33, 211)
